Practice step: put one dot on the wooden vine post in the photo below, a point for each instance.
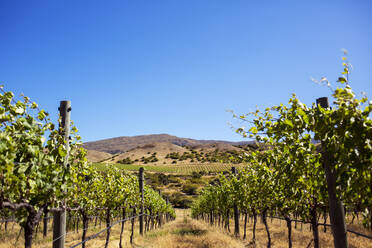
(236, 210)
(140, 179)
(167, 215)
(159, 215)
(45, 223)
(59, 218)
(336, 208)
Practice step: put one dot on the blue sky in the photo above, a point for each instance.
(143, 67)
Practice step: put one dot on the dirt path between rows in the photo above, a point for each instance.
(185, 232)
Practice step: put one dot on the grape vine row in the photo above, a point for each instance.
(288, 176)
(34, 180)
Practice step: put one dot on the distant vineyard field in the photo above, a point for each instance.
(179, 169)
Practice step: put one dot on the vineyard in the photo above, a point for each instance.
(41, 176)
(294, 178)
(177, 169)
(312, 165)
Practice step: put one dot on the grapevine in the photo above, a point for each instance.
(34, 179)
(286, 175)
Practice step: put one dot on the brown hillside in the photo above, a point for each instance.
(215, 146)
(97, 156)
(160, 153)
(160, 148)
(126, 143)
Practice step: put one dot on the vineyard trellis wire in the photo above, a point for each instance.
(323, 224)
(167, 218)
(105, 229)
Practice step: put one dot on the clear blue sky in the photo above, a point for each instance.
(143, 67)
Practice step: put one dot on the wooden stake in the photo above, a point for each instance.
(140, 179)
(59, 218)
(336, 209)
(236, 210)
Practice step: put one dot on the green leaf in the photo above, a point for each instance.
(253, 130)
(62, 151)
(41, 115)
(342, 80)
(288, 122)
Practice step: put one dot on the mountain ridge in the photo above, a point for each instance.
(125, 143)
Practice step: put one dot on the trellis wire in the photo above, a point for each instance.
(322, 224)
(109, 227)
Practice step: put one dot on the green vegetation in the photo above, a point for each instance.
(293, 177)
(215, 156)
(189, 231)
(126, 161)
(40, 174)
(144, 160)
(189, 189)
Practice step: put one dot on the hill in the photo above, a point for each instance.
(97, 156)
(136, 147)
(125, 143)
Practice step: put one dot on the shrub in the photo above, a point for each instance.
(196, 174)
(125, 161)
(190, 189)
(179, 200)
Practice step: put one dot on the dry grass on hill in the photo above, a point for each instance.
(125, 143)
(160, 148)
(97, 156)
(136, 147)
(213, 147)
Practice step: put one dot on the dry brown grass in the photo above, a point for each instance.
(135, 151)
(9, 239)
(181, 233)
(161, 149)
(301, 236)
(185, 232)
(97, 156)
(123, 144)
